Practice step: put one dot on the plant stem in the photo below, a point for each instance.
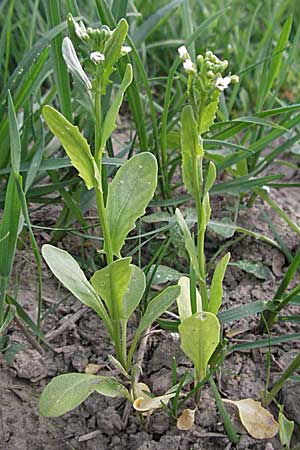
(224, 414)
(198, 182)
(295, 364)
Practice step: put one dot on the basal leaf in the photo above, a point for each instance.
(216, 287)
(200, 335)
(68, 272)
(109, 124)
(191, 147)
(128, 195)
(286, 428)
(74, 143)
(67, 391)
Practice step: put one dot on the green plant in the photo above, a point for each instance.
(115, 291)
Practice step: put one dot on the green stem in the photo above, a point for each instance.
(198, 182)
(279, 383)
(233, 437)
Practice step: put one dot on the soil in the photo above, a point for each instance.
(99, 423)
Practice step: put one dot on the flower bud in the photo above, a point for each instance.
(235, 79)
(125, 49)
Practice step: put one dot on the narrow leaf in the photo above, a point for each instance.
(216, 288)
(73, 64)
(109, 124)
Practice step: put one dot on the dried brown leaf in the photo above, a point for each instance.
(186, 419)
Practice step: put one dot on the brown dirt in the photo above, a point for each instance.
(98, 423)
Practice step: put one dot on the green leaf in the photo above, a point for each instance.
(163, 274)
(111, 284)
(68, 272)
(191, 147)
(109, 124)
(200, 335)
(135, 290)
(208, 116)
(216, 288)
(74, 143)
(112, 51)
(184, 299)
(73, 64)
(8, 317)
(226, 228)
(286, 428)
(189, 242)
(128, 195)
(15, 143)
(67, 391)
(210, 176)
(257, 269)
(157, 306)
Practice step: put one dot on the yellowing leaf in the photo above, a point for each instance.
(184, 301)
(186, 419)
(93, 369)
(146, 404)
(258, 421)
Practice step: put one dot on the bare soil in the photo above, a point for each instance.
(99, 423)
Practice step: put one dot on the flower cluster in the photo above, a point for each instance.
(92, 40)
(209, 69)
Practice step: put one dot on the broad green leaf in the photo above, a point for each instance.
(134, 292)
(184, 299)
(109, 124)
(208, 116)
(68, 272)
(286, 428)
(163, 274)
(74, 143)
(200, 335)
(67, 391)
(225, 228)
(111, 284)
(157, 306)
(128, 195)
(191, 147)
(112, 51)
(73, 64)
(216, 287)
(210, 176)
(258, 269)
(189, 242)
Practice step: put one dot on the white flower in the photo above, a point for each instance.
(125, 50)
(223, 83)
(189, 66)
(97, 57)
(183, 53)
